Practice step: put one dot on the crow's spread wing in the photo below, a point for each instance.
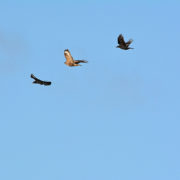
(129, 42)
(46, 83)
(121, 40)
(35, 78)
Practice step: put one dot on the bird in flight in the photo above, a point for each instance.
(38, 81)
(122, 44)
(70, 61)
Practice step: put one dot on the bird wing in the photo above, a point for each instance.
(80, 61)
(121, 40)
(46, 83)
(69, 58)
(38, 81)
(35, 78)
(129, 42)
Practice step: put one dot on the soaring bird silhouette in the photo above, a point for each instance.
(38, 81)
(70, 61)
(122, 44)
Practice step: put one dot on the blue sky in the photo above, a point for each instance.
(116, 117)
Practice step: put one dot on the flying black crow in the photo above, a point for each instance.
(38, 81)
(122, 44)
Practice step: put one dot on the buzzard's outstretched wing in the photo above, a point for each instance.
(80, 61)
(69, 58)
(38, 81)
(121, 40)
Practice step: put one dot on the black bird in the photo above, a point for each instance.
(38, 81)
(122, 44)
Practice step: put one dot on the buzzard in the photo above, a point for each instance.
(122, 44)
(70, 61)
(38, 81)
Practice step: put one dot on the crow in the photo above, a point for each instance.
(70, 61)
(38, 81)
(122, 44)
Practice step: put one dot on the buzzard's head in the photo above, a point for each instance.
(68, 56)
(66, 51)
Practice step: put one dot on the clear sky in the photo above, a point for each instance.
(115, 118)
